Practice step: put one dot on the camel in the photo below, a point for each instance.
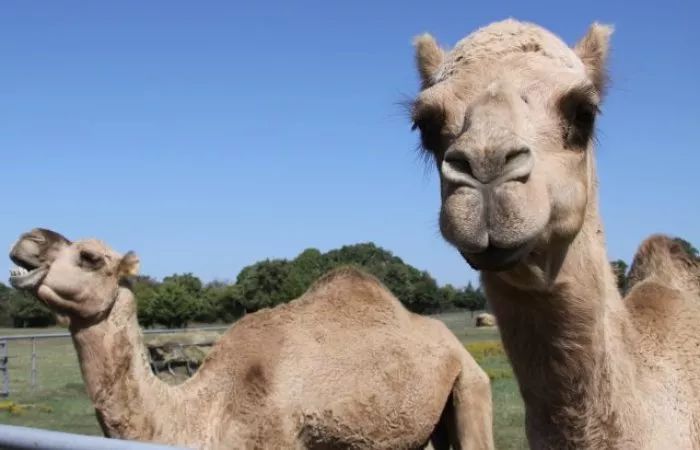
(344, 366)
(508, 117)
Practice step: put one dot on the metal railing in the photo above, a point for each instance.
(5, 356)
(4, 369)
(25, 438)
(21, 438)
(16, 337)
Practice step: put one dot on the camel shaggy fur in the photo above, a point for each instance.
(508, 117)
(344, 366)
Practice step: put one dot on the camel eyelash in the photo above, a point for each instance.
(430, 122)
(579, 110)
(90, 259)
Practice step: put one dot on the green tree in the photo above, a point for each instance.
(19, 309)
(471, 299)
(425, 296)
(175, 302)
(265, 284)
(209, 303)
(225, 301)
(397, 278)
(449, 295)
(5, 317)
(270, 282)
(303, 271)
(26, 311)
(480, 302)
(620, 271)
(187, 281)
(417, 290)
(144, 289)
(688, 247)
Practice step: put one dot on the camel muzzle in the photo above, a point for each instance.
(32, 254)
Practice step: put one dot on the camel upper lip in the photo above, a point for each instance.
(28, 271)
(23, 262)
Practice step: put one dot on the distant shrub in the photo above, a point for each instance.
(485, 349)
(13, 408)
(483, 352)
(499, 374)
(17, 409)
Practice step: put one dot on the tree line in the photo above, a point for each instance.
(180, 299)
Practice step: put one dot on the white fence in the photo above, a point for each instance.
(29, 362)
(21, 357)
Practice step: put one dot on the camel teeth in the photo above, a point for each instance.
(18, 271)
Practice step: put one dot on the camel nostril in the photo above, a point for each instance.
(521, 179)
(460, 164)
(518, 165)
(516, 155)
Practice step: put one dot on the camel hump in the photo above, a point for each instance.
(351, 274)
(665, 260)
(350, 286)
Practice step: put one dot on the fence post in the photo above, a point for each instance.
(5, 386)
(33, 363)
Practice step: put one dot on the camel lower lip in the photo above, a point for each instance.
(21, 278)
(496, 259)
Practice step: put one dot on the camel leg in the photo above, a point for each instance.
(471, 397)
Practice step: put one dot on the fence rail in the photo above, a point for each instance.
(4, 369)
(17, 337)
(25, 438)
(7, 357)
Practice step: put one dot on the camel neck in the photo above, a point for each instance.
(561, 329)
(128, 398)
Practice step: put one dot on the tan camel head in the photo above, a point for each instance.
(508, 117)
(79, 279)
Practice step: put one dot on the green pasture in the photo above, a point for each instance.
(59, 401)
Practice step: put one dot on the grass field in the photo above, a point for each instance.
(59, 402)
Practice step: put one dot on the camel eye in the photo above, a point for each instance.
(429, 121)
(91, 260)
(578, 114)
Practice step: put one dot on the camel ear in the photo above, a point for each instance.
(593, 50)
(429, 57)
(129, 265)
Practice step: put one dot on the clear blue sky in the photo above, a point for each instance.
(209, 135)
